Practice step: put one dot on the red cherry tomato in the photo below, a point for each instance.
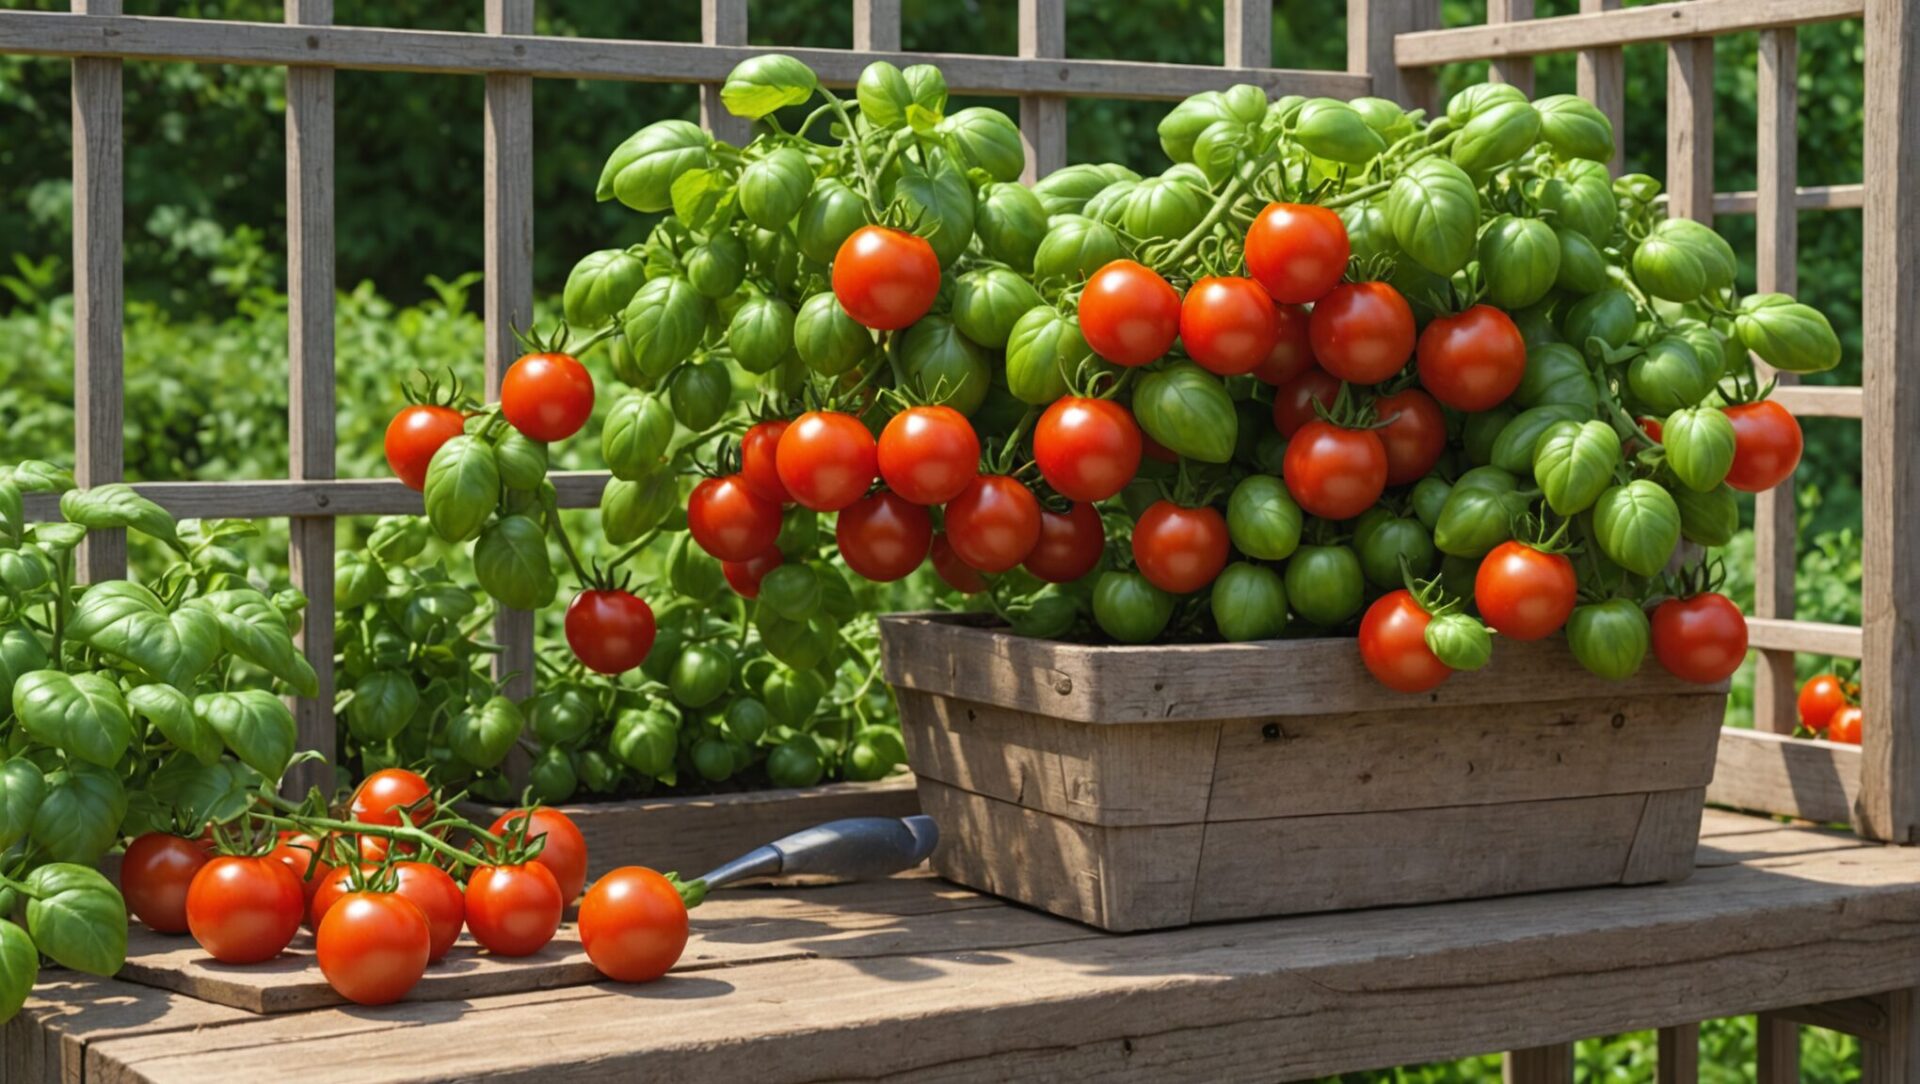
(300, 853)
(329, 887)
(513, 910)
(1335, 473)
(827, 460)
(633, 925)
(1180, 549)
(745, 576)
(1292, 352)
(1703, 638)
(383, 796)
(565, 852)
(928, 454)
(1297, 252)
(731, 521)
(1228, 325)
(1652, 428)
(1523, 593)
(1414, 434)
(954, 572)
(1129, 314)
(1070, 544)
(1845, 725)
(244, 910)
(884, 537)
(1820, 697)
(885, 278)
(1472, 361)
(610, 631)
(154, 876)
(547, 396)
(1293, 401)
(439, 898)
(1362, 332)
(373, 947)
(1393, 645)
(994, 524)
(1157, 451)
(1087, 449)
(414, 435)
(1766, 445)
(759, 452)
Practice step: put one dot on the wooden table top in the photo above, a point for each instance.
(916, 976)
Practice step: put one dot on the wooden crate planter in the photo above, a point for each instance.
(1142, 787)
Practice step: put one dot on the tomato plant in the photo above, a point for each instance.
(1362, 332)
(928, 454)
(1702, 638)
(885, 278)
(1087, 449)
(1472, 361)
(1129, 314)
(1180, 549)
(1297, 252)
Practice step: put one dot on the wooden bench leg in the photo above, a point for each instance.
(1894, 1058)
(1679, 1061)
(1779, 1049)
(1541, 1065)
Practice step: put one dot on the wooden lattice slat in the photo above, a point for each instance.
(1600, 77)
(99, 210)
(1043, 117)
(1374, 27)
(1649, 24)
(1249, 34)
(1515, 70)
(876, 26)
(722, 22)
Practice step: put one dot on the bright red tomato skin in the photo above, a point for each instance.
(1335, 473)
(414, 435)
(299, 852)
(1393, 645)
(928, 454)
(329, 887)
(884, 537)
(885, 278)
(565, 852)
(440, 901)
(1087, 449)
(1767, 443)
(1845, 726)
(513, 910)
(1292, 352)
(953, 571)
(1472, 361)
(1228, 325)
(1297, 252)
(1293, 401)
(759, 454)
(1523, 593)
(994, 524)
(1070, 544)
(1701, 639)
(745, 576)
(1129, 314)
(730, 521)
(1652, 427)
(1157, 451)
(373, 947)
(380, 798)
(244, 910)
(610, 631)
(1180, 549)
(633, 925)
(1414, 434)
(547, 396)
(1362, 332)
(1819, 698)
(827, 460)
(154, 876)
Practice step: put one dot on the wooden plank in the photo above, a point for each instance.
(1517, 71)
(310, 497)
(876, 26)
(1894, 1058)
(310, 398)
(1865, 1017)
(1778, 1055)
(950, 655)
(1679, 1055)
(1629, 26)
(1373, 29)
(1249, 33)
(68, 1011)
(1690, 128)
(1820, 401)
(1813, 637)
(723, 22)
(363, 48)
(1813, 197)
(99, 212)
(1796, 777)
(1600, 77)
(1552, 1064)
(1043, 117)
(1890, 470)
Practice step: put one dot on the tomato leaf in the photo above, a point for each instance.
(78, 918)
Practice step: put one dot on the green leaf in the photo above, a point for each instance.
(25, 570)
(255, 724)
(395, 540)
(20, 652)
(78, 918)
(1786, 334)
(762, 84)
(19, 969)
(1637, 526)
(1573, 463)
(462, 488)
(13, 514)
(696, 196)
(171, 713)
(22, 788)
(254, 629)
(117, 505)
(58, 537)
(1188, 410)
(125, 620)
(356, 581)
(38, 476)
(432, 608)
(641, 171)
(195, 793)
(79, 819)
(383, 704)
(81, 715)
(1434, 213)
(510, 562)
(600, 285)
(1700, 446)
(483, 736)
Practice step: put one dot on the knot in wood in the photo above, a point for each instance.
(1063, 685)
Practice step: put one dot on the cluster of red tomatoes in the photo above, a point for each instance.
(1829, 707)
(380, 919)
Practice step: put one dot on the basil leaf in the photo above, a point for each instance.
(1434, 213)
(252, 627)
(482, 737)
(356, 581)
(22, 788)
(1700, 446)
(78, 918)
(511, 563)
(1573, 463)
(641, 171)
(663, 324)
(395, 540)
(117, 505)
(634, 438)
(19, 968)
(38, 476)
(125, 620)
(13, 514)
(80, 816)
(24, 570)
(81, 715)
(432, 609)
(171, 713)
(462, 488)
(255, 724)
(762, 84)
(201, 793)
(600, 285)
(20, 652)
(383, 704)
(1638, 526)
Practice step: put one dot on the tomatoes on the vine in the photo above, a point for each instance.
(414, 435)
(1845, 725)
(1414, 433)
(1335, 472)
(1702, 639)
(329, 885)
(1180, 549)
(1472, 361)
(243, 910)
(1523, 592)
(730, 521)
(994, 524)
(827, 460)
(1070, 543)
(1087, 449)
(547, 396)
(885, 278)
(745, 576)
(759, 452)
(513, 910)
(884, 537)
(1292, 352)
(373, 947)
(1228, 325)
(384, 796)
(1129, 315)
(1767, 443)
(439, 898)
(1819, 698)
(1362, 332)
(565, 852)
(154, 876)
(300, 853)
(1297, 252)
(633, 925)
(1393, 644)
(928, 454)
(953, 571)
(1293, 402)
(609, 630)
